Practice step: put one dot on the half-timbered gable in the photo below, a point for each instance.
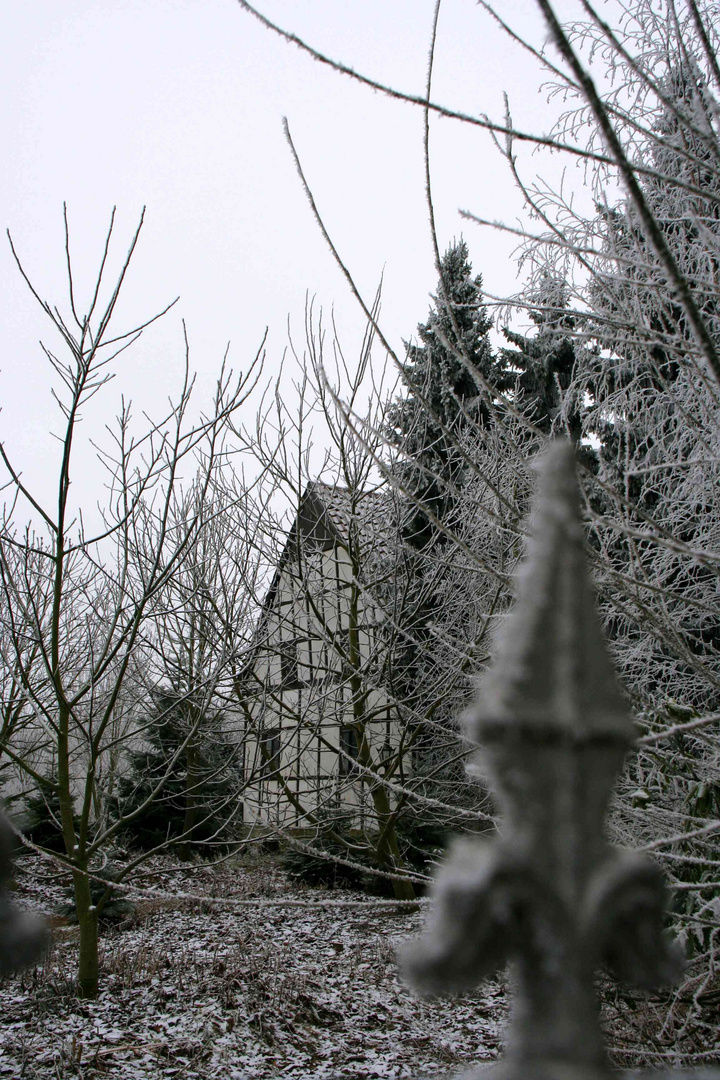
(319, 720)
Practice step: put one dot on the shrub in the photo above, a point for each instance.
(116, 909)
(199, 777)
(41, 817)
(335, 840)
(420, 845)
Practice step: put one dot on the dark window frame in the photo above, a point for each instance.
(350, 744)
(289, 668)
(270, 759)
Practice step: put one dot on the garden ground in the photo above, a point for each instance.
(263, 978)
(237, 987)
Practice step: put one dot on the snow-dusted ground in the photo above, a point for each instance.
(227, 991)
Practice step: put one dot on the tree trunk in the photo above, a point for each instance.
(387, 850)
(88, 924)
(191, 781)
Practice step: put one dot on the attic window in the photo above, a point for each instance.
(350, 746)
(270, 753)
(289, 676)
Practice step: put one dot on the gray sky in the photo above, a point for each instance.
(177, 104)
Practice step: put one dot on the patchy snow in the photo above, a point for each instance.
(240, 992)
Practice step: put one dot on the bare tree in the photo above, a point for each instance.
(346, 707)
(78, 607)
(21, 665)
(638, 274)
(199, 628)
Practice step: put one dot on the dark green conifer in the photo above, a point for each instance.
(544, 363)
(196, 762)
(445, 378)
(41, 819)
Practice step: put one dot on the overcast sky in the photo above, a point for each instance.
(178, 105)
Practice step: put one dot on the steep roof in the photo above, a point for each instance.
(338, 508)
(325, 517)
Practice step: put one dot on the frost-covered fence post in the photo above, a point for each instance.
(22, 935)
(550, 894)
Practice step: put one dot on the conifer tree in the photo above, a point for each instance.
(197, 765)
(448, 430)
(41, 818)
(445, 376)
(544, 362)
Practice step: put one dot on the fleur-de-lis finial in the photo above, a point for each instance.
(550, 894)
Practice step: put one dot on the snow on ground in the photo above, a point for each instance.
(236, 992)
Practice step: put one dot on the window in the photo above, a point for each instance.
(350, 746)
(270, 753)
(289, 677)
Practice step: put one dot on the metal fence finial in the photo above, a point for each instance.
(550, 894)
(552, 667)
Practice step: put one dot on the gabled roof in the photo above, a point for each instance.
(338, 509)
(325, 517)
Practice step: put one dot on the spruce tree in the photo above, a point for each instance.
(186, 750)
(544, 362)
(41, 820)
(442, 427)
(445, 376)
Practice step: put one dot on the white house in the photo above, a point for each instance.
(321, 727)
